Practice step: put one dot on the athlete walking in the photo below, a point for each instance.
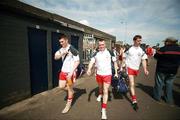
(103, 60)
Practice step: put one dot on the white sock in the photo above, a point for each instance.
(104, 116)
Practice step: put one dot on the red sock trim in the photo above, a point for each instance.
(70, 99)
(104, 105)
(133, 97)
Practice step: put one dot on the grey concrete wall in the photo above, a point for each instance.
(15, 81)
(14, 62)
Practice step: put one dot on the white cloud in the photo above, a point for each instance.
(110, 30)
(153, 19)
(85, 22)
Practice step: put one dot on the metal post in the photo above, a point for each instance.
(125, 31)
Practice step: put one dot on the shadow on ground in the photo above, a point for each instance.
(177, 85)
(96, 93)
(78, 93)
(149, 90)
(118, 95)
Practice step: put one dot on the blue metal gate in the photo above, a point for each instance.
(38, 60)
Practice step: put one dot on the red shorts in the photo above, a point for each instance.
(63, 76)
(132, 71)
(103, 78)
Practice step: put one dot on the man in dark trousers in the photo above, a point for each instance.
(168, 61)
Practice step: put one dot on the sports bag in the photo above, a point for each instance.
(121, 84)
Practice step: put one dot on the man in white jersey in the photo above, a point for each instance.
(70, 59)
(133, 57)
(103, 58)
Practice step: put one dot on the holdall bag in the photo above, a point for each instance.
(114, 81)
(121, 85)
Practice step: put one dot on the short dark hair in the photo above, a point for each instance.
(137, 37)
(63, 36)
(101, 40)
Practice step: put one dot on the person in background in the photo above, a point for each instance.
(121, 52)
(149, 52)
(115, 52)
(168, 61)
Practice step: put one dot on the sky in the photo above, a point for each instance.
(155, 20)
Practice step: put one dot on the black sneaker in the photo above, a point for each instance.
(135, 106)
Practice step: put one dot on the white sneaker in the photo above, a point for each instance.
(67, 108)
(104, 116)
(99, 98)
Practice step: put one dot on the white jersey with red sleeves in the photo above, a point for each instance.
(103, 62)
(68, 63)
(133, 56)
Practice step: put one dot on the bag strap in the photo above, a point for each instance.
(72, 50)
(64, 57)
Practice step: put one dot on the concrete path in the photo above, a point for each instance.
(48, 105)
